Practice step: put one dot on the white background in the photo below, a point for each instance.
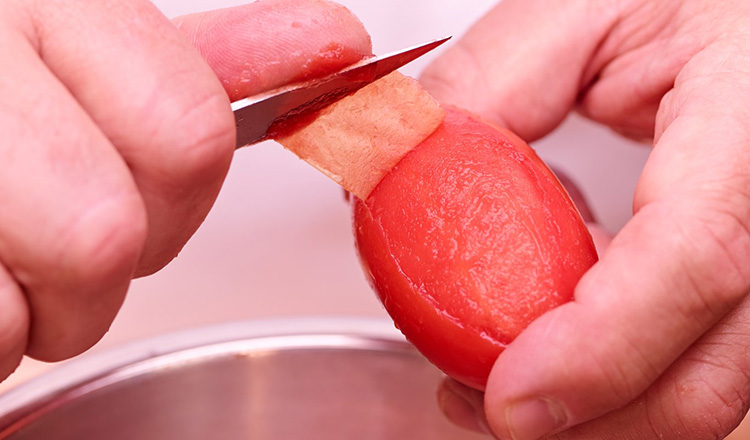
(279, 241)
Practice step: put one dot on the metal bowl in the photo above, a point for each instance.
(293, 379)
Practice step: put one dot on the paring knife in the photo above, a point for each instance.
(255, 115)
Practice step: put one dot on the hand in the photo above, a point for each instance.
(655, 343)
(116, 137)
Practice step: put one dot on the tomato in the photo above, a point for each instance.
(467, 240)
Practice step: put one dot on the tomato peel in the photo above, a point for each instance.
(359, 139)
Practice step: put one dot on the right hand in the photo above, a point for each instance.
(655, 343)
(117, 136)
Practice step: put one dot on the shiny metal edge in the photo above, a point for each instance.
(416, 51)
(255, 115)
(29, 401)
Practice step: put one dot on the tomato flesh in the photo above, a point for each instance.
(468, 239)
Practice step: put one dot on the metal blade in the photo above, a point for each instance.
(254, 116)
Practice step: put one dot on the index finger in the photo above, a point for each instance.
(523, 64)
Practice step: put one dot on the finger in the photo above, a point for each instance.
(703, 395)
(462, 405)
(153, 97)
(181, 150)
(634, 69)
(523, 64)
(675, 269)
(527, 63)
(602, 238)
(14, 324)
(267, 44)
(73, 303)
(71, 246)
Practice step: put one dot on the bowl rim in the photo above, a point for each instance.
(31, 400)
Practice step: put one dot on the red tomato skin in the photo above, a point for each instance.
(467, 240)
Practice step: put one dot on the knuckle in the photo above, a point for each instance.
(627, 378)
(710, 241)
(196, 143)
(726, 412)
(721, 242)
(104, 242)
(619, 366)
(80, 283)
(700, 408)
(707, 393)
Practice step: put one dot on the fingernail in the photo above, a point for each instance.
(534, 419)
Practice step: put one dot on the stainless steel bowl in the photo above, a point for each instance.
(294, 379)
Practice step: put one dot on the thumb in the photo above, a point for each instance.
(676, 269)
(266, 44)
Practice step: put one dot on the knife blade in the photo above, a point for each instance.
(254, 116)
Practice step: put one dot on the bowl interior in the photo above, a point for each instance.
(357, 389)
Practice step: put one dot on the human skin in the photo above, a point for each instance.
(117, 135)
(655, 343)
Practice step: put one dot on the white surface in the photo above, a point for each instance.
(279, 242)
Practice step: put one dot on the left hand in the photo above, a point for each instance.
(116, 136)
